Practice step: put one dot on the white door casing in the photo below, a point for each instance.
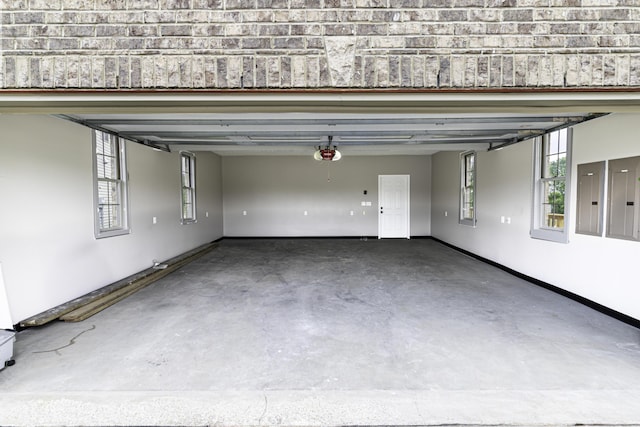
(393, 206)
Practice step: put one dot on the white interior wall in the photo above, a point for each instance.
(49, 254)
(276, 191)
(601, 269)
(48, 251)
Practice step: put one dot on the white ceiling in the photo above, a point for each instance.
(288, 133)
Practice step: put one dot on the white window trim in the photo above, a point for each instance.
(462, 166)
(192, 163)
(538, 231)
(123, 178)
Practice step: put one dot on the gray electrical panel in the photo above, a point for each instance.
(590, 198)
(624, 188)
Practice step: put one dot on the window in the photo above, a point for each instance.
(468, 188)
(188, 171)
(110, 185)
(552, 167)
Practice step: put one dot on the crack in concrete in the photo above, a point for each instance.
(264, 412)
(71, 342)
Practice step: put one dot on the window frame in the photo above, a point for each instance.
(464, 176)
(538, 228)
(122, 182)
(191, 188)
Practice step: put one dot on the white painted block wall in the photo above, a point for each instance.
(601, 269)
(275, 192)
(49, 254)
(48, 251)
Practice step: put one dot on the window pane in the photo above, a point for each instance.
(553, 143)
(467, 212)
(108, 192)
(187, 196)
(554, 165)
(110, 217)
(109, 206)
(186, 179)
(107, 166)
(469, 166)
(554, 155)
(187, 211)
(553, 194)
(467, 203)
(562, 144)
(101, 139)
(187, 175)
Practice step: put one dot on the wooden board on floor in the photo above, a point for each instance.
(106, 301)
(102, 298)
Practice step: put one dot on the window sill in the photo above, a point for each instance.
(467, 222)
(558, 236)
(112, 233)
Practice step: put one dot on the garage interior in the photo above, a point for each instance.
(301, 315)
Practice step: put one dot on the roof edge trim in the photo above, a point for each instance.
(388, 101)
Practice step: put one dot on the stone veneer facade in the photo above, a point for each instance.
(316, 44)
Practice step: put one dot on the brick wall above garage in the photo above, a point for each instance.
(279, 44)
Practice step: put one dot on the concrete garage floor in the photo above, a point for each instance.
(330, 332)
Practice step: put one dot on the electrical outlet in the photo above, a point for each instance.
(244, 213)
(351, 213)
(446, 213)
(155, 220)
(502, 219)
(306, 213)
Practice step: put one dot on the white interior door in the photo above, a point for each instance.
(393, 206)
